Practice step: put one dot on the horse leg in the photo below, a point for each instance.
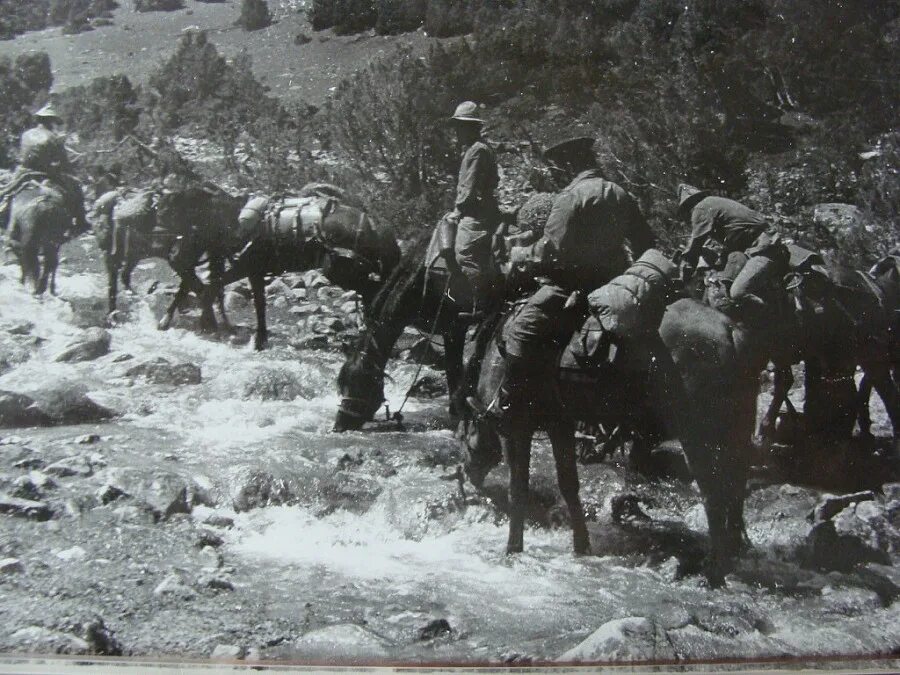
(516, 446)
(112, 273)
(127, 271)
(562, 438)
(454, 342)
(51, 260)
(258, 287)
(191, 282)
(783, 380)
(216, 271)
(180, 295)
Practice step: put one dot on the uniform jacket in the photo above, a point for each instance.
(726, 221)
(587, 228)
(476, 204)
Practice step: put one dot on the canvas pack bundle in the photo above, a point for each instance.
(632, 304)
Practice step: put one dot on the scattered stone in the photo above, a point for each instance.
(429, 386)
(164, 494)
(88, 439)
(217, 583)
(109, 493)
(208, 538)
(342, 642)
(130, 513)
(349, 307)
(11, 566)
(32, 485)
(349, 296)
(831, 505)
(29, 463)
(838, 218)
(826, 549)
(276, 384)
(75, 465)
(25, 508)
(101, 639)
(121, 358)
(435, 629)
(253, 655)
(18, 410)
(235, 301)
(227, 653)
(315, 279)
(280, 302)
(67, 402)
(217, 520)
(22, 328)
(333, 323)
(312, 342)
(628, 639)
(13, 440)
(174, 586)
(39, 639)
(161, 371)
(261, 489)
(306, 308)
(293, 279)
(72, 554)
(92, 344)
(300, 294)
(278, 288)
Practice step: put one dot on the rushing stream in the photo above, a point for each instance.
(373, 534)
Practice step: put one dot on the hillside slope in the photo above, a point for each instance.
(138, 42)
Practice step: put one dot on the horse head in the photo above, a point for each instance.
(361, 386)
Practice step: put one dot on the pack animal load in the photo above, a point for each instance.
(295, 219)
(632, 304)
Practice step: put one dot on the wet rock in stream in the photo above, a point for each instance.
(630, 639)
(161, 371)
(276, 384)
(91, 344)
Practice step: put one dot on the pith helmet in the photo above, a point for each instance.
(466, 112)
(688, 197)
(563, 151)
(48, 112)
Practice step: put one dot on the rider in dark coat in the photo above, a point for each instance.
(583, 247)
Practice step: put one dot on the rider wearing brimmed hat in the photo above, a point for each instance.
(466, 233)
(728, 223)
(583, 247)
(43, 151)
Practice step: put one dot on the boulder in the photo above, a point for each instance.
(306, 308)
(827, 549)
(341, 643)
(831, 505)
(67, 402)
(161, 371)
(300, 294)
(350, 307)
(235, 301)
(278, 288)
(276, 384)
(315, 279)
(101, 639)
(434, 629)
(227, 653)
(91, 344)
(429, 386)
(40, 639)
(11, 566)
(174, 586)
(76, 465)
(630, 639)
(218, 520)
(25, 508)
(293, 279)
(163, 493)
(19, 410)
(838, 218)
(260, 489)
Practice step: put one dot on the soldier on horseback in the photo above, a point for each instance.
(42, 154)
(466, 233)
(583, 247)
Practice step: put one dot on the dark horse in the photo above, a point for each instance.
(701, 389)
(351, 250)
(39, 223)
(414, 294)
(179, 226)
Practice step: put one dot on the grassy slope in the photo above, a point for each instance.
(138, 42)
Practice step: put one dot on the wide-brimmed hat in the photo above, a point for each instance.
(688, 197)
(48, 112)
(466, 112)
(562, 151)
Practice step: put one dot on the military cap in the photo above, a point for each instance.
(688, 197)
(465, 112)
(571, 147)
(47, 111)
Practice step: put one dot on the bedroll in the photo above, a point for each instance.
(633, 303)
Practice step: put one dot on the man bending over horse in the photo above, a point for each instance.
(42, 153)
(583, 247)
